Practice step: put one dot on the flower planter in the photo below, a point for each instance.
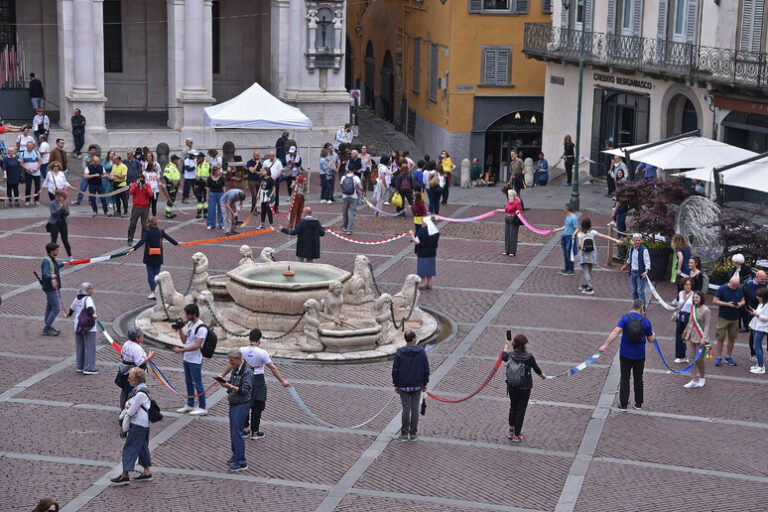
(659, 263)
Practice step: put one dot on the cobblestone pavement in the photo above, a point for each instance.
(686, 450)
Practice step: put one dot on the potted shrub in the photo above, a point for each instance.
(651, 206)
(740, 234)
(722, 271)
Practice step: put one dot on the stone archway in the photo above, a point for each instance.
(681, 111)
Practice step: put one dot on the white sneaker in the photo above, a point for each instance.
(692, 384)
(151, 296)
(681, 360)
(198, 412)
(753, 367)
(185, 409)
(753, 359)
(701, 382)
(760, 370)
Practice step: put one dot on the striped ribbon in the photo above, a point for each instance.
(247, 219)
(577, 368)
(312, 415)
(19, 198)
(162, 378)
(535, 230)
(467, 219)
(376, 242)
(225, 238)
(684, 370)
(697, 323)
(97, 259)
(382, 212)
(464, 399)
(90, 194)
(656, 295)
(290, 207)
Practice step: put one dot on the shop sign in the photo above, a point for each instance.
(621, 80)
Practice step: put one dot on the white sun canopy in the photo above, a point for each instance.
(691, 153)
(752, 175)
(256, 109)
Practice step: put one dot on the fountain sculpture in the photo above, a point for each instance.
(305, 310)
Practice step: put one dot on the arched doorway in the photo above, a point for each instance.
(348, 67)
(681, 116)
(519, 130)
(370, 76)
(388, 88)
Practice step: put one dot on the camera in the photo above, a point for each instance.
(178, 324)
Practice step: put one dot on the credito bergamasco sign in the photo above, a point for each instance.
(620, 80)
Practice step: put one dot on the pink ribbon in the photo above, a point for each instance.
(467, 219)
(535, 230)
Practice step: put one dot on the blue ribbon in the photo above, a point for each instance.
(577, 368)
(684, 370)
(312, 415)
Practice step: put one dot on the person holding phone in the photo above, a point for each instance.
(239, 389)
(519, 382)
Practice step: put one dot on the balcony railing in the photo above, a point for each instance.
(654, 56)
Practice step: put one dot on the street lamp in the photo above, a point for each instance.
(575, 178)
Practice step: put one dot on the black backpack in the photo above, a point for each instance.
(209, 343)
(587, 244)
(515, 372)
(348, 186)
(154, 413)
(635, 330)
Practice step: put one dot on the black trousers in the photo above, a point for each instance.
(121, 198)
(60, 228)
(635, 367)
(510, 234)
(266, 211)
(518, 403)
(257, 407)
(568, 160)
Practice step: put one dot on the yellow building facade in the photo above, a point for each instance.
(451, 73)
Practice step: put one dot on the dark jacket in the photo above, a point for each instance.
(12, 168)
(50, 268)
(528, 360)
(427, 246)
(58, 215)
(153, 237)
(280, 149)
(242, 378)
(78, 125)
(397, 181)
(35, 88)
(309, 232)
(410, 369)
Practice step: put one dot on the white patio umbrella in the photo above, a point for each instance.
(620, 151)
(691, 153)
(751, 175)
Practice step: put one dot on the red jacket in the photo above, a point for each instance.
(141, 196)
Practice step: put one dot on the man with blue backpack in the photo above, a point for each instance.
(635, 330)
(351, 192)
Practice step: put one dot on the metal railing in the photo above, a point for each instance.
(654, 56)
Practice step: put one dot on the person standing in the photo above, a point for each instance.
(309, 230)
(404, 184)
(566, 239)
(744, 272)
(253, 167)
(132, 356)
(35, 91)
(410, 376)
(694, 338)
(382, 177)
(12, 171)
(759, 326)
(152, 240)
(682, 255)
(239, 390)
(84, 183)
(299, 191)
(274, 167)
(78, 131)
(291, 168)
(365, 157)
(280, 146)
(31, 162)
(418, 210)
(511, 223)
(326, 177)
(189, 158)
(435, 182)
(351, 191)
(152, 174)
(141, 192)
(635, 331)
(232, 210)
(426, 240)
(192, 335)
(85, 338)
(119, 176)
(266, 194)
(45, 154)
(343, 136)
(516, 173)
(137, 443)
(682, 316)
(750, 289)
(519, 383)
(41, 125)
(639, 264)
(355, 163)
(59, 155)
(51, 283)
(94, 175)
(172, 179)
(55, 180)
(587, 247)
(696, 275)
(258, 359)
(58, 221)
(541, 174)
(202, 172)
(728, 298)
(23, 138)
(568, 157)
(215, 189)
(448, 167)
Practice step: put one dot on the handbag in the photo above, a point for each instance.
(433, 181)
(516, 221)
(155, 251)
(397, 200)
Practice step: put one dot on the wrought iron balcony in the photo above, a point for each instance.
(660, 57)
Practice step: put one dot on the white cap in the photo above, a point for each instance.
(292, 149)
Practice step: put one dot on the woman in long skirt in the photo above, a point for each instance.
(426, 251)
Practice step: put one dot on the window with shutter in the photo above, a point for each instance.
(521, 6)
(588, 7)
(433, 72)
(751, 25)
(475, 5)
(691, 21)
(564, 14)
(502, 67)
(416, 64)
(661, 23)
(496, 66)
(611, 28)
(637, 18)
(546, 6)
(489, 67)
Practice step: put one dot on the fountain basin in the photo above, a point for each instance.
(264, 288)
(340, 339)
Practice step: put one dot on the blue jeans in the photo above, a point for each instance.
(136, 445)
(434, 199)
(566, 242)
(238, 414)
(757, 343)
(193, 375)
(215, 217)
(97, 189)
(621, 222)
(85, 351)
(52, 307)
(682, 322)
(638, 286)
(152, 271)
(83, 187)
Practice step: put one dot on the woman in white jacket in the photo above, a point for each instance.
(137, 442)
(759, 325)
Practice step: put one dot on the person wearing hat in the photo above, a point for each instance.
(202, 173)
(51, 284)
(172, 179)
(291, 169)
(743, 271)
(188, 158)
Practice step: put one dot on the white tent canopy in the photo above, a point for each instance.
(256, 109)
(751, 175)
(691, 153)
(620, 151)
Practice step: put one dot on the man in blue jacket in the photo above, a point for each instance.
(410, 375)
(51, 284)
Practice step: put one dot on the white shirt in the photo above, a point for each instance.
(137, 411)
(133, 353)
(189, 164)
(152, 178)
(256, 357)
(40, 120)
(45, 152)
(687, 302)
(385, 174)
(357, 184)
(294, 163)
(195, 356)
(342, 137)
(54, 181)
(634, 264)
(275, 167)
(760, 322)
(21, 141)
(78, 305)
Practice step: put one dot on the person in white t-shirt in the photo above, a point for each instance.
(45, 155)
(23, 138)
(85, 342)
(587, 246)
(192, 336)
(259, 359)
(275, 169)
(132, 355)
(41, 124)
(189, 160)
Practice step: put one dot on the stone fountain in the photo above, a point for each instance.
(309, 310)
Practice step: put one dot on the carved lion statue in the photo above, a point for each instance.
(333, 301)
(383, 317)
(407, 296)
(268, 255)
(174, 301)
(310, 342)
(358, 287)
(205, 300)
(246, 256)
(200, 276)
